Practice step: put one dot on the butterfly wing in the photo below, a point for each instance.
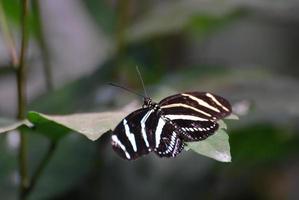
(195, 114)
(144, 131)
(183, 117)
(127, 138)
(133, 136)
(167, 140)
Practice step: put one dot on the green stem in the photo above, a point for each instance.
(41, 167)
(21, 84)
(123, 18)
(121, 25)
(49, 84)
(43, 45)
(8, 38)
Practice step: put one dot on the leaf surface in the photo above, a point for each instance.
(216, 146)
(91, 125)
(7, 125)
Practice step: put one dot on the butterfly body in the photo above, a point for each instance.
(164, 127)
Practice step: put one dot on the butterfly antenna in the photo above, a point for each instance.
(140, 77)
(127, 89)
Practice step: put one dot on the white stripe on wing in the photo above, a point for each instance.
(201, 102)
(118, 142)
(186, 106)
(185, 117)
(159, 129)
(130, 135)
(143, 130)
(216, 101)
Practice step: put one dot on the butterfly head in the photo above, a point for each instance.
(148, 103)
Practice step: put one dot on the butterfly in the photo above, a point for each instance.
(164, 127)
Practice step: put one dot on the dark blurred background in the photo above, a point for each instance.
(244, 50)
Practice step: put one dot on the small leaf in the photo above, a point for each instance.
(215, 146)
(9, 125)
(91, 125)
(222, 124)
(232, 117)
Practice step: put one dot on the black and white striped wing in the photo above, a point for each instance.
(133, 136)
(195, 113)
(144, 131)
(167, 140)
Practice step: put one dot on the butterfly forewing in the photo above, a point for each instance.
(133, 136)
(144, 131)
(201, 104)
(195, 113)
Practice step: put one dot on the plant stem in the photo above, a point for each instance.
(8, 38)
(121, 25)
(43, 45)
(49, 86)
(123, 18)
(44, 162)
(21, 84)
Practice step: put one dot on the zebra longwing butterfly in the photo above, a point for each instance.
(164, 127)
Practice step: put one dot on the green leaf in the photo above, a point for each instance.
(232, 117)
(9, 125)
(215, 146)
(91, 125)
(173, 17)
(263, 142)
(103, 13)
(45, 125)
(12, 10)
(206, 23)
(222, 125)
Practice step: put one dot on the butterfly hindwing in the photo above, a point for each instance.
(191, 131)
(168, 141)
